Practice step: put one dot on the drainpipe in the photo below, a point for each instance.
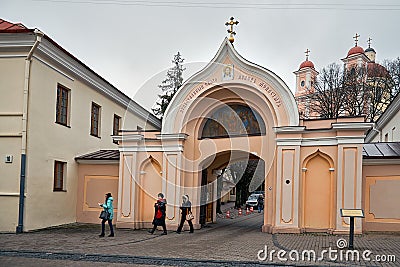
(28, 60)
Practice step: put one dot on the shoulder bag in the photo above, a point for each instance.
(104, 215)
(189, 216)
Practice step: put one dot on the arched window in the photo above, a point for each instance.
(233, 120)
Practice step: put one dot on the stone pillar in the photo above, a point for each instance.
(287, 189)
(128, 173)
(172, 147)
(349, 185)
(350, 139)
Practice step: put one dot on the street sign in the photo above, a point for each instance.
(359, 213)
(352, 213)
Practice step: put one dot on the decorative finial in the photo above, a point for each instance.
(307, 52)
(369, 42)
(230, 29)
(356, 38)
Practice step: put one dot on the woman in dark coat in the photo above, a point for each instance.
(186, 208)
(159, 214)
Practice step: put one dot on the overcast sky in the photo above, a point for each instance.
(131, 43)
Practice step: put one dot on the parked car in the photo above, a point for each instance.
(252, 199)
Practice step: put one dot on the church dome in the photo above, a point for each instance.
(369, 49)
(355, 50)
(376, 70)
(307, 64)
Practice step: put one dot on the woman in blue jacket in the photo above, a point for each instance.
(108, 207)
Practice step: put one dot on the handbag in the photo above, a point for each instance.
(104, 215)
(189, 216)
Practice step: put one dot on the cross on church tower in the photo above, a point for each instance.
(307, 52)
(230, 30)
(369, 42)
(356, 38)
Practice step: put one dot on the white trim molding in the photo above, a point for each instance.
(159, 148)
(128, 137)
(351, 126)
(290, 129)
(6, 194)
(172, 137)
(321, 141)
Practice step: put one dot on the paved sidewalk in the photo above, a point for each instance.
(229, 242)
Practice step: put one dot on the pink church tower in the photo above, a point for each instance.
(305, 79)
(356, 57)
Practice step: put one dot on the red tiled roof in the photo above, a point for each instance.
(355, 50)
(8, 26)
(307, 64)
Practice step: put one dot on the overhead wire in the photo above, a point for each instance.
(232, 5)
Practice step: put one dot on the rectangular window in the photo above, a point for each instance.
(62, 105)
(116, 126)
(95, 120)
(59, 175)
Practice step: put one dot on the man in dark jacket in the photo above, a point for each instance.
(159, 214)
(260, 203)
(186, 208)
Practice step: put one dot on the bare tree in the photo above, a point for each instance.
(243, 172)
(379, 87)
(327, 95)
(393, 67)
(356, 93)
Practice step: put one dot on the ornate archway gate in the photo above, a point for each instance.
(235, 105)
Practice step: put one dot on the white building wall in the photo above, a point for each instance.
(48, 141)
(11, 85)
(387, 127)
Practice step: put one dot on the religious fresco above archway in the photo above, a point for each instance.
(233, 120)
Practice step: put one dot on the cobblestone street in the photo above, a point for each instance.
(229, 242)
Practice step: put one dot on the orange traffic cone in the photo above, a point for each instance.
(251, 209)
(228, 214)
(247, 211)
(240, 212)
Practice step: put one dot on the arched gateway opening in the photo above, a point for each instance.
(230, 171)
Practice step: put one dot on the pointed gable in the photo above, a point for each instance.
(229, 69)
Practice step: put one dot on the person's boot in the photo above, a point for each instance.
(111, 235)
(101, 235)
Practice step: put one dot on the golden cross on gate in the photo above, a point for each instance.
(230, 30)
(307, 52)
(369, 42)
(356, 38)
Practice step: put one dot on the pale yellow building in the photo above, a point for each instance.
(53, 108)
